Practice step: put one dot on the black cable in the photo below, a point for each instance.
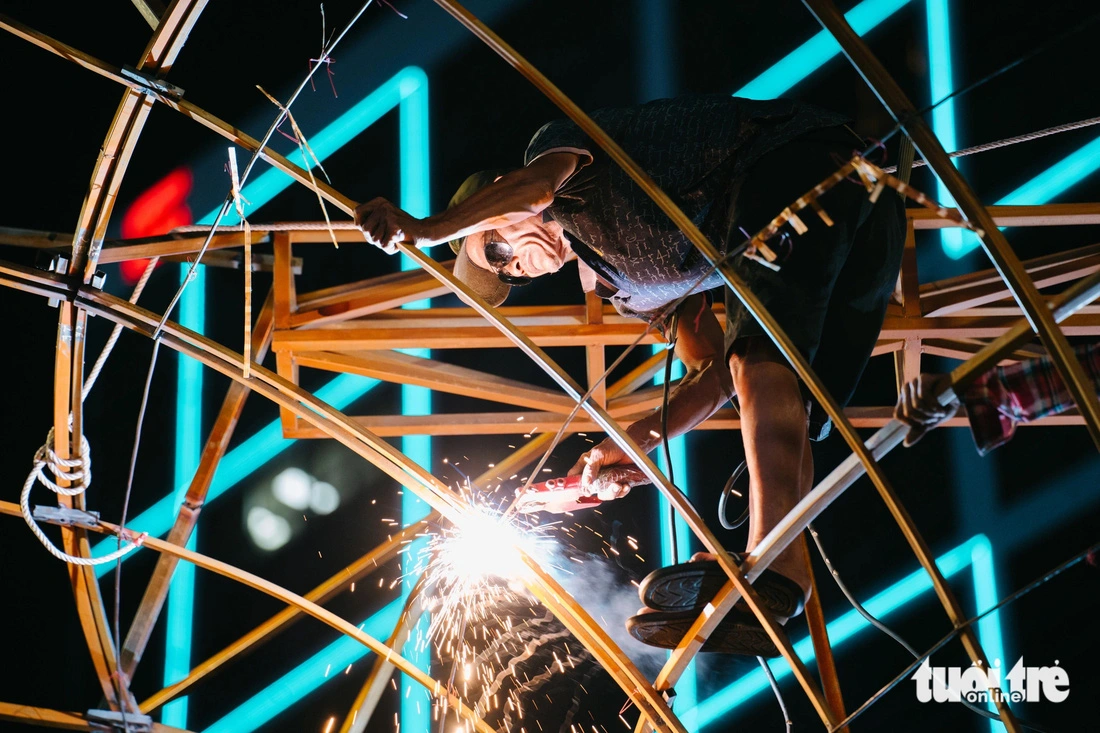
(724, 497)
(122, 524)
(893, 635)
(1056, 40)
(778, 695)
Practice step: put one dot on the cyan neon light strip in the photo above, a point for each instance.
(984, 571)
(686, 688)
(416, 703)
(943, 116)
(1046, 186)
(1058, 178)
(814, 53)
(343, 390)
(976, 552)
(181, 592)
(408, 89)
(307, 677)
(238, 464)
(271, 182)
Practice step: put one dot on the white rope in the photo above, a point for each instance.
(98, 367)
(1011, 141)
(78, 472)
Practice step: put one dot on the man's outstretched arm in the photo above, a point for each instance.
(515, 196)
(996, 401)
(705, 388)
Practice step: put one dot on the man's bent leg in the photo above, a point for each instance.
(777, 449)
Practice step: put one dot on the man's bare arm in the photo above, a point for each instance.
(706, 386)
(516, 196)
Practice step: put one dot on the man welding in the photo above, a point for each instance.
(732, 165)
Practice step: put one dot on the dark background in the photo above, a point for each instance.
(1035, 499)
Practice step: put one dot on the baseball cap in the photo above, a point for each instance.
(483, 282)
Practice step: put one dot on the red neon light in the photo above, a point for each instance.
(159, 209)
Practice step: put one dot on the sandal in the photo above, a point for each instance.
(690, 586)
(738, 633)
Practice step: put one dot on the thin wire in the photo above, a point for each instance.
(1005, 142)
(921, 657)
(122, 523)
(778, 695)
(989, 77)
(228, 202)
(852, 599)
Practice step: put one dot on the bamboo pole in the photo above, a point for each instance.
(851, 469)
(335, 584)
(217, 442)
(282, 594)
(267, 631)
(27, 715)
(370, 694)
(389, 460)
(993, 241)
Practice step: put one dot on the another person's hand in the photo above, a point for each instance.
(919, 409)
(385, 226)
(591, 463)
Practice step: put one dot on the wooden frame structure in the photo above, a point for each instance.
(313, 331)
(355, 328)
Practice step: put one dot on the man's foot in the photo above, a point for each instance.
(691, 586)
(738, 633)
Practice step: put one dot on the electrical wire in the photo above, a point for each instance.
(897, 638)
(1050, 43)
(284, 111)
(778, 695)
(723, 498)
(122, 523)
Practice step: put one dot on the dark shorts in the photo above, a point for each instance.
(831, 294)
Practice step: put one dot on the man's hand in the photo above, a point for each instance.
(385, 226)
(919, 409)
(591, 463)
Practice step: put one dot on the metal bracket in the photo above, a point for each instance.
(152, 84)
(66, 517)
(669, 694)
(98, 280)
(60, 265)
(111, 721)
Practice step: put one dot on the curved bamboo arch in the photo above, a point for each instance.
(391, 461)
(120, 140)
(345, 627)
(122, 135)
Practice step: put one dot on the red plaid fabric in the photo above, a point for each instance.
(1005, 396)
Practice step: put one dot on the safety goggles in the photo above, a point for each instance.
(498, 255)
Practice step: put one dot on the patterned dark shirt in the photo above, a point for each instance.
(697, 149)
(1018, 393)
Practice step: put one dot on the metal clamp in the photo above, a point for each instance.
(60, 265)
(66, 517)
(151, 84)
(111, 721)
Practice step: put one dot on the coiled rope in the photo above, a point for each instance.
(76, 471)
